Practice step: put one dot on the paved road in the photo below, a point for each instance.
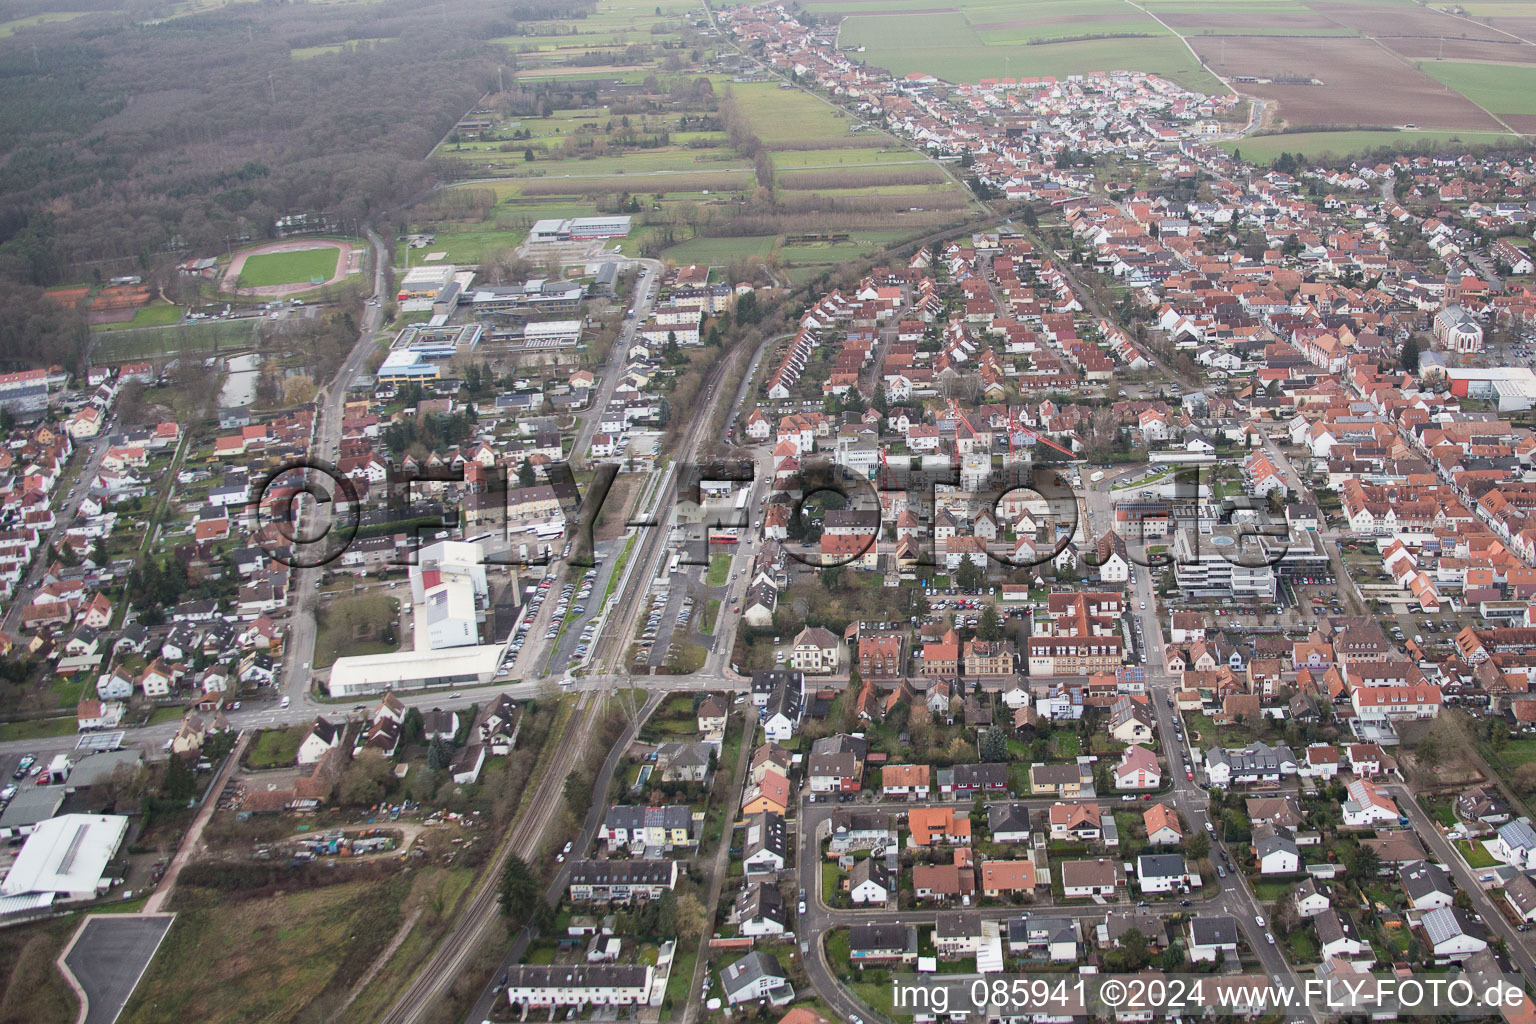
(1427, 830)
(64, 517)
(325, 445)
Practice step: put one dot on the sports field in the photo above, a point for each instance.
(299, 267)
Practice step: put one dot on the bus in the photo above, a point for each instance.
(724, 538)
(672, 566)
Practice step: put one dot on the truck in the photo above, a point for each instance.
(1098, 475)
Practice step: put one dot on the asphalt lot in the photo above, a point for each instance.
(109, 955)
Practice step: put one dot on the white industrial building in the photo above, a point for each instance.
(425, 282)
(449, 590)
(1212, 566)
(579, 229)
(552, 334)
(66, 858)
(415, 670)
(1512, 387)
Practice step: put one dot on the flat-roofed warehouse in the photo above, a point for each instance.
(552, 334)
(414, 670)
(67, 857)
(579, 229)
(425, 282)
(530, 298)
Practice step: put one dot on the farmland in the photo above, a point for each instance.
(614, 25)
(9, 28)
(901, 43)
(1373, 64)
(1265, 148)
(713, 171)
(1498, 88)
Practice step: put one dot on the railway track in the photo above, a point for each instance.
(617, 636)
(524, 835)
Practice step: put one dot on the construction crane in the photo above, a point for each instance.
(1015, 425)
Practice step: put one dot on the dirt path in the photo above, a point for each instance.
(194, 837)
(378, 965)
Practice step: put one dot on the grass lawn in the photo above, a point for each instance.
(68, 692)
(354, 625)
(37, 729)
(1440, 810)
(275, 748)
(34, 989)
(680, 982)
(718, 252)
(689, 659)
(711, 613)
(1066, 744)
(156, 314)
(1303, 946)
(1475, 855)
(266, 958)
(1514, 753)
(9, 28)
(120, 345)
(831, 883)
(301, 267)
(304, 52)
(160, 715)
(1268, 892)
(719, 570)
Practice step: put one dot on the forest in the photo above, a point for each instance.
(135, 137)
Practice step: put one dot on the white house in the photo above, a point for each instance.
(1213, 937)
(1165, 872)
(1276, 853)
(1515, 844)
(1337, 935)
(1368, 805)
(1138, 769)
(870, 881)
(1452, 933)
(760, 910)
(1309, 899)
(544, 985)
(756, 976)
(322, 736)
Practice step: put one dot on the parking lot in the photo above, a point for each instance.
(108, 956)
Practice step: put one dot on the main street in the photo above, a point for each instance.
(325, 448)
(1191, 800)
